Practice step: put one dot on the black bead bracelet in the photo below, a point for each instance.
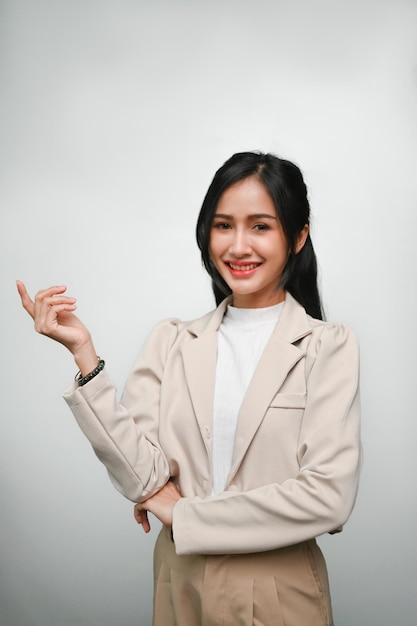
(82, 380)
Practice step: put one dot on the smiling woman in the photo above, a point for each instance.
(238, 430)
(248, 246)
(255, 179)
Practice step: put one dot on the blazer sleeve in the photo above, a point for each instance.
(124, 435)
(317, 500)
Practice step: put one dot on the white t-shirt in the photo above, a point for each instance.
(242, 337)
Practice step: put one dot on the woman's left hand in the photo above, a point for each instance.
(141, 516)
(161, 505)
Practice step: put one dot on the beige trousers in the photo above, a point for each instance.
(285, 587)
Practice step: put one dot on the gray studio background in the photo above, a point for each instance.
(114, 116)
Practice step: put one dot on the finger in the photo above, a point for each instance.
(27, 302)
(43, 294)
(48, 304)
(39, 301)
(55, 303)
(141, 516)
(145, 522)
(49, 316)
(137, 512)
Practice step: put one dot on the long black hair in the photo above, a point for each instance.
(285, 185)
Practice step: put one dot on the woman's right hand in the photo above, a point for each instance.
(53, 316)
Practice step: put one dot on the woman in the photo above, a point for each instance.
(239, 430)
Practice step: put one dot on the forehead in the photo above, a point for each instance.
(246, 196)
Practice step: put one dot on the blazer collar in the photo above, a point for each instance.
(278, 358)
(209, 322)
(292, 326)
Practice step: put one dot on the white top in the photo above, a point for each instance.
(242, 337)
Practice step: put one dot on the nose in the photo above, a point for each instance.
(240, 244)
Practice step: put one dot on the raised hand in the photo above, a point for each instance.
(53, 315)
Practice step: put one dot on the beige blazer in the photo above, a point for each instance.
(297, 450)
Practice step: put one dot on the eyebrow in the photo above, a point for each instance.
(256, 216)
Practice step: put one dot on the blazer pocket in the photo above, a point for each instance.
(289, 401)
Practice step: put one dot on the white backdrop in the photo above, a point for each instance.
(115, 115)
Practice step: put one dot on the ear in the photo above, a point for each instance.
(301, 238)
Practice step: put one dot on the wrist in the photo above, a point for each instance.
(83, 380)
(86, 358)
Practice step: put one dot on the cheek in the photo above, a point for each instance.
(280, 250)
(213, 255)
(214, 248)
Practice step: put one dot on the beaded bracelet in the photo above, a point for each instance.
(82, 380)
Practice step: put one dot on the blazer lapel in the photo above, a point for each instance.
(279, 357)
(199, 357)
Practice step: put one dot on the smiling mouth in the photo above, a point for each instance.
(243, 268)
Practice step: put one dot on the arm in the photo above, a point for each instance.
(125, 435)
(320, 498)
(135, 462)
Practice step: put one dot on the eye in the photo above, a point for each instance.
(261, 227)
(221, 225)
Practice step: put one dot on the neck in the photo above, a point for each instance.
(257, 301)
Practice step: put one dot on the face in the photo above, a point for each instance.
(248, 246)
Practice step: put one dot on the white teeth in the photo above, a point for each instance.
(246, 268)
